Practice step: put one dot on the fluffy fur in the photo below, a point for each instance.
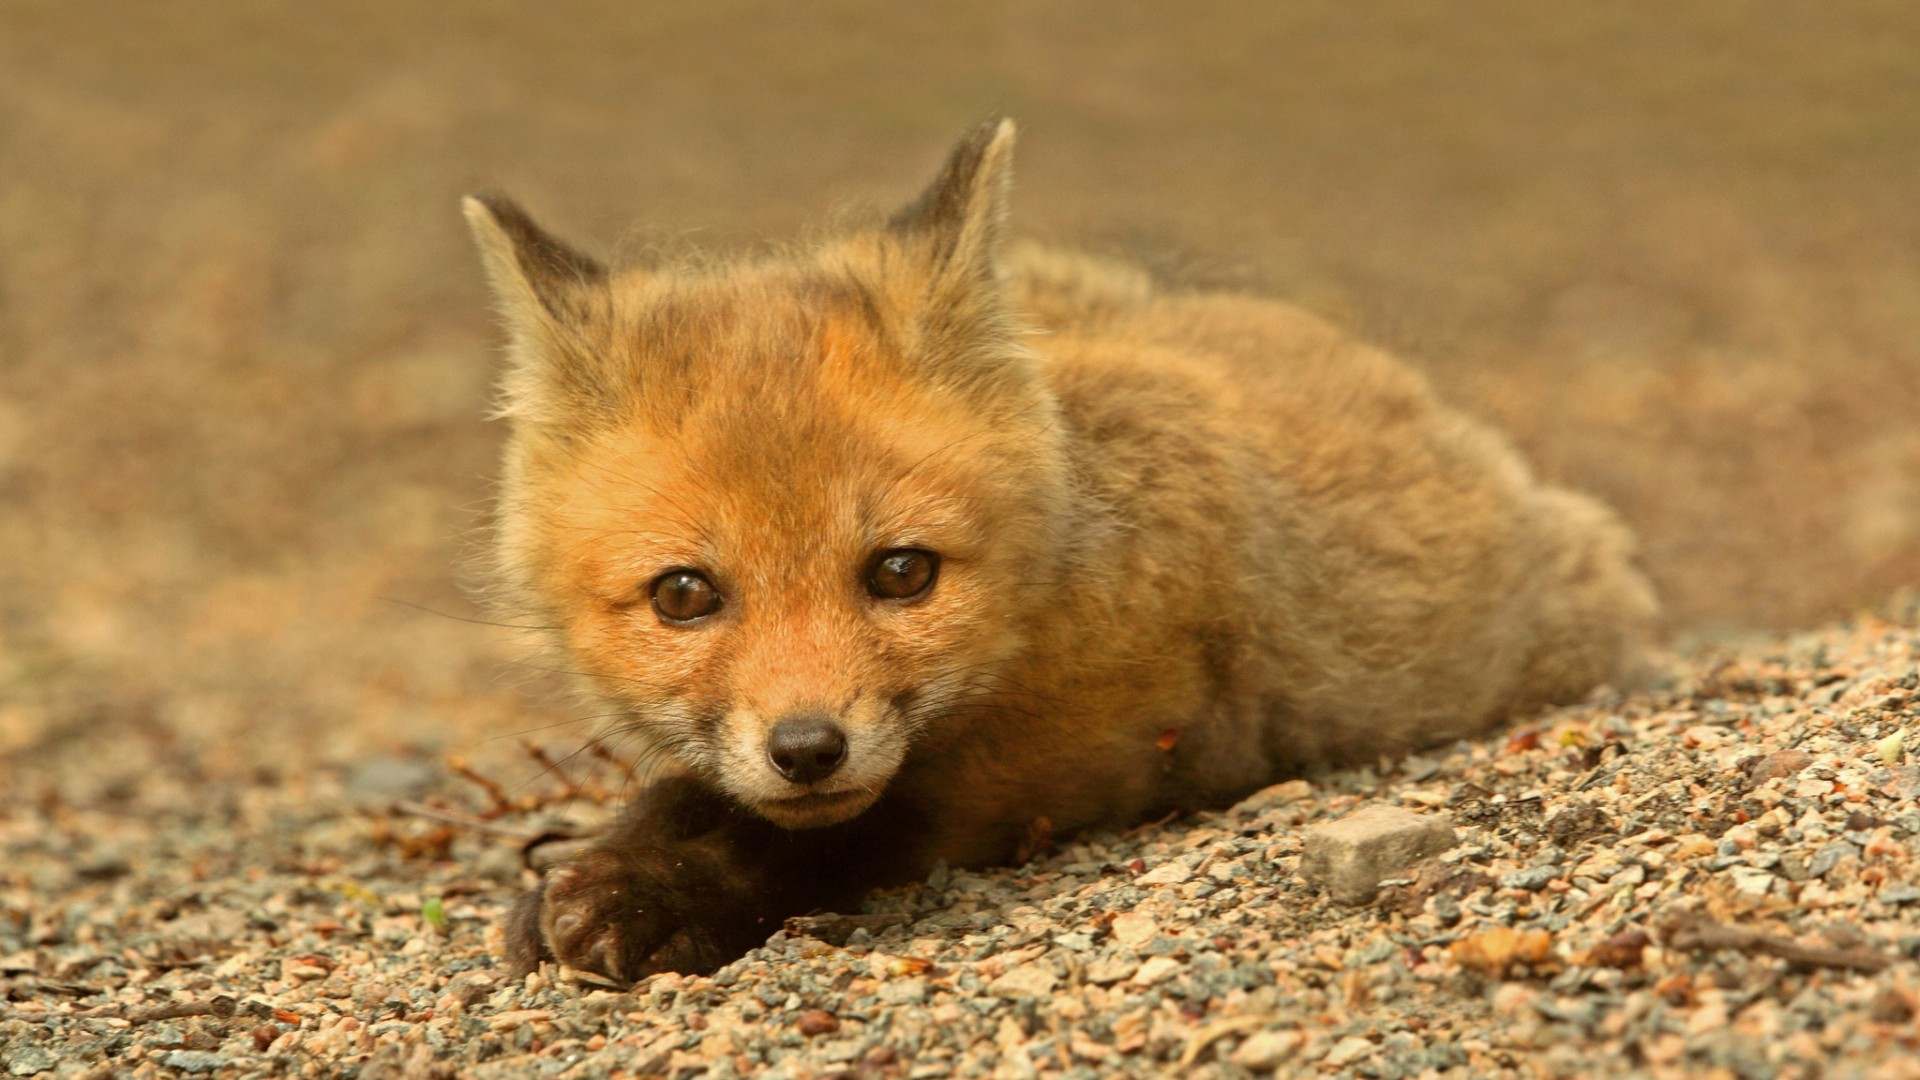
(1188, 543)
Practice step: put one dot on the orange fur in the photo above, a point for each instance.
(1156, 511)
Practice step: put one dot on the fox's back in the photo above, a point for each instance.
(1397, 575)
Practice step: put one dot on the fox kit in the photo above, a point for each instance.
(888, 547)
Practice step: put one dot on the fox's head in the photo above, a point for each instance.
(791, 515)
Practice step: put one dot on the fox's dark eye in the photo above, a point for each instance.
(902, 573)
(684, 596)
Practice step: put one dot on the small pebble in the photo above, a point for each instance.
(1347, 1051)
(1156, 970)
(1025, 981)
(1133, 929)
(1892, 749)
(193, 1061)
(1265, 1051)
(817, 1022)
(1534, 877)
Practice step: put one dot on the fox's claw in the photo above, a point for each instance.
(599, 913)
(596, 916)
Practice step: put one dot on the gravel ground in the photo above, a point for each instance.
(1716, 876)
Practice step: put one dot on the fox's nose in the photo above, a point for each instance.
(806, 749)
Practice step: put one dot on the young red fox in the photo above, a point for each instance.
(896, 544)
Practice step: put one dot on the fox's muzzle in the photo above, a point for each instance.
(806, 749)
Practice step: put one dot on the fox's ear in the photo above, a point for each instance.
(556, 303)
(962, 213)
(534, 275)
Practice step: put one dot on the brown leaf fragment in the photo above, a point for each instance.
(1693, 932)
(1521, 741)
(1497, 951)
(1892, 1005)
(886, 966)
(1623, 950)
(1777, 764)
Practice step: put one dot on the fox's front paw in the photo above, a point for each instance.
(605, 914)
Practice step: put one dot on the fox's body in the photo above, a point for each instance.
(1164, 548)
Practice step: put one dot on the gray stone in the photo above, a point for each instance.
(1352, 856)
(193, 1061)
(391, 778)
(1077, 941)
(1530, 879)
(904, 991)
(1828, 857)
(30, 1060)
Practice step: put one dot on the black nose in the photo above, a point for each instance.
(806, 749)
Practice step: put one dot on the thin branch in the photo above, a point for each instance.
(1697, 933)
(464, 821)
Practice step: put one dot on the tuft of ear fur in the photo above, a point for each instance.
(528, 266)
(555, 301)
(964, 211)
(950, 238)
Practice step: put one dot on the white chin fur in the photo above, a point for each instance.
(746, 775)
(814, 815)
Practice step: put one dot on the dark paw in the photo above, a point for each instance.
(601, 914)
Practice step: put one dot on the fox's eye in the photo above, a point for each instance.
(684, 596)
(902, 573)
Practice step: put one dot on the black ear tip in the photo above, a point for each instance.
(977, 164)
(498, 221)
(991, 135)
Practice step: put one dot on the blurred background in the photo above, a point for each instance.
(245, 350)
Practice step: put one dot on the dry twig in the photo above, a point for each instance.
(1697, 933)
(545, 761)
(464, 821)
(496, 794)
(835, 929)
